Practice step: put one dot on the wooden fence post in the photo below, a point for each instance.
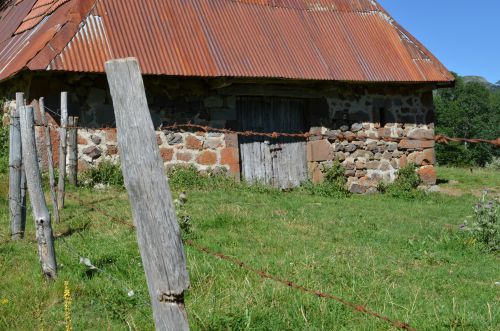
(24, 191)
(41, 214)
(62, 150)
(20, 102)
(15, 174)
(50, 161)
(73, 150)
(158, 232)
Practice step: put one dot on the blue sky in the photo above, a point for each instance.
(463, 34)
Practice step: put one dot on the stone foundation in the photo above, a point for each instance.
(207, 152)
(364, 114)
(366, 120)
(368, 159)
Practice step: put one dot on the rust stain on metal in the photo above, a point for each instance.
(336, 40)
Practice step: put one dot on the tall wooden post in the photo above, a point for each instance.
(158, 232)
(62, 150)
(50, 162)
(20, 102)
(73, 150)
(15, 174)
(41, 214)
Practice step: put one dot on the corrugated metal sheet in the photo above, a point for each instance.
(341, 40)
(12, 16)
(40, 10)
(90, 43)
(36, 47)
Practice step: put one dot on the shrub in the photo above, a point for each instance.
(106, 173)
(4, 142)
(183, 217)
(494, 164)
(484, 226)
(405, 185)
(4, 149)
(335, 175)
(188, 177)
(334, 185)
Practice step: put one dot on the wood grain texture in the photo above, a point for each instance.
(158, 232)
(50, 161)
(280, 162)
(15, 174)
(20, 101)
(43, 226)
(62, 150)
(73, 150)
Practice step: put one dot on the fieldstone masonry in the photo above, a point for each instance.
(364, 116)
(368, 159)
(366, 156)
(208, 152)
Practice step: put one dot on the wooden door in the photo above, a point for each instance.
(280, 162)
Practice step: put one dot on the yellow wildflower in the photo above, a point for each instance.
(5, 301)
(67, 307)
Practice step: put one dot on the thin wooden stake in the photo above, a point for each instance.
(62, 150)
(158, 232)
(50, 162)
(73, 150)
(20, 101)
(15, 174)
(41, 214)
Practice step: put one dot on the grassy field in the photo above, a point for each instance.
(403, 258)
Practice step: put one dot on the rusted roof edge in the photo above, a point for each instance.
(446, 73)
(42, 58)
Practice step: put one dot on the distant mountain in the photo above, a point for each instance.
(481, 80)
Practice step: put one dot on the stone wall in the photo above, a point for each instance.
(208, 152)
(366, 156)
(364, 114)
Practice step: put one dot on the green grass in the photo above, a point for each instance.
(469, 180)
(402, 258)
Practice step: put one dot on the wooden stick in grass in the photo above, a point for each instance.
(62, 150)
(15, 174)
(73, 150)
(50, 160)
(158, 232)
(41, 214)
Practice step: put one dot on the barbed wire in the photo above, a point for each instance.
(93, 207)
(82, 259)
(341, 136)
(265, 275)
(85, 259)
(52, 111)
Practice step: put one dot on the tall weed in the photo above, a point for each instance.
(406, 184)
(334, 185)
(188, 178)
(106, 173)
(484, 225)
(4, 149)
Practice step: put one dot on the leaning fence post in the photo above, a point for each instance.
(158, 232)
(50, 160)
(15, 174)
(41, 214)
(62, 150)
(73, 150)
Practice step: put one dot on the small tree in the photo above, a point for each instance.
(469, 110)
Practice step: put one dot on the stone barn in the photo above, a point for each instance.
(333, 68)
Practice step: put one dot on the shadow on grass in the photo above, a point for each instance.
(441, 181)
(72, 230)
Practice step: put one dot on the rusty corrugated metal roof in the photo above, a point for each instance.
(338, 40)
